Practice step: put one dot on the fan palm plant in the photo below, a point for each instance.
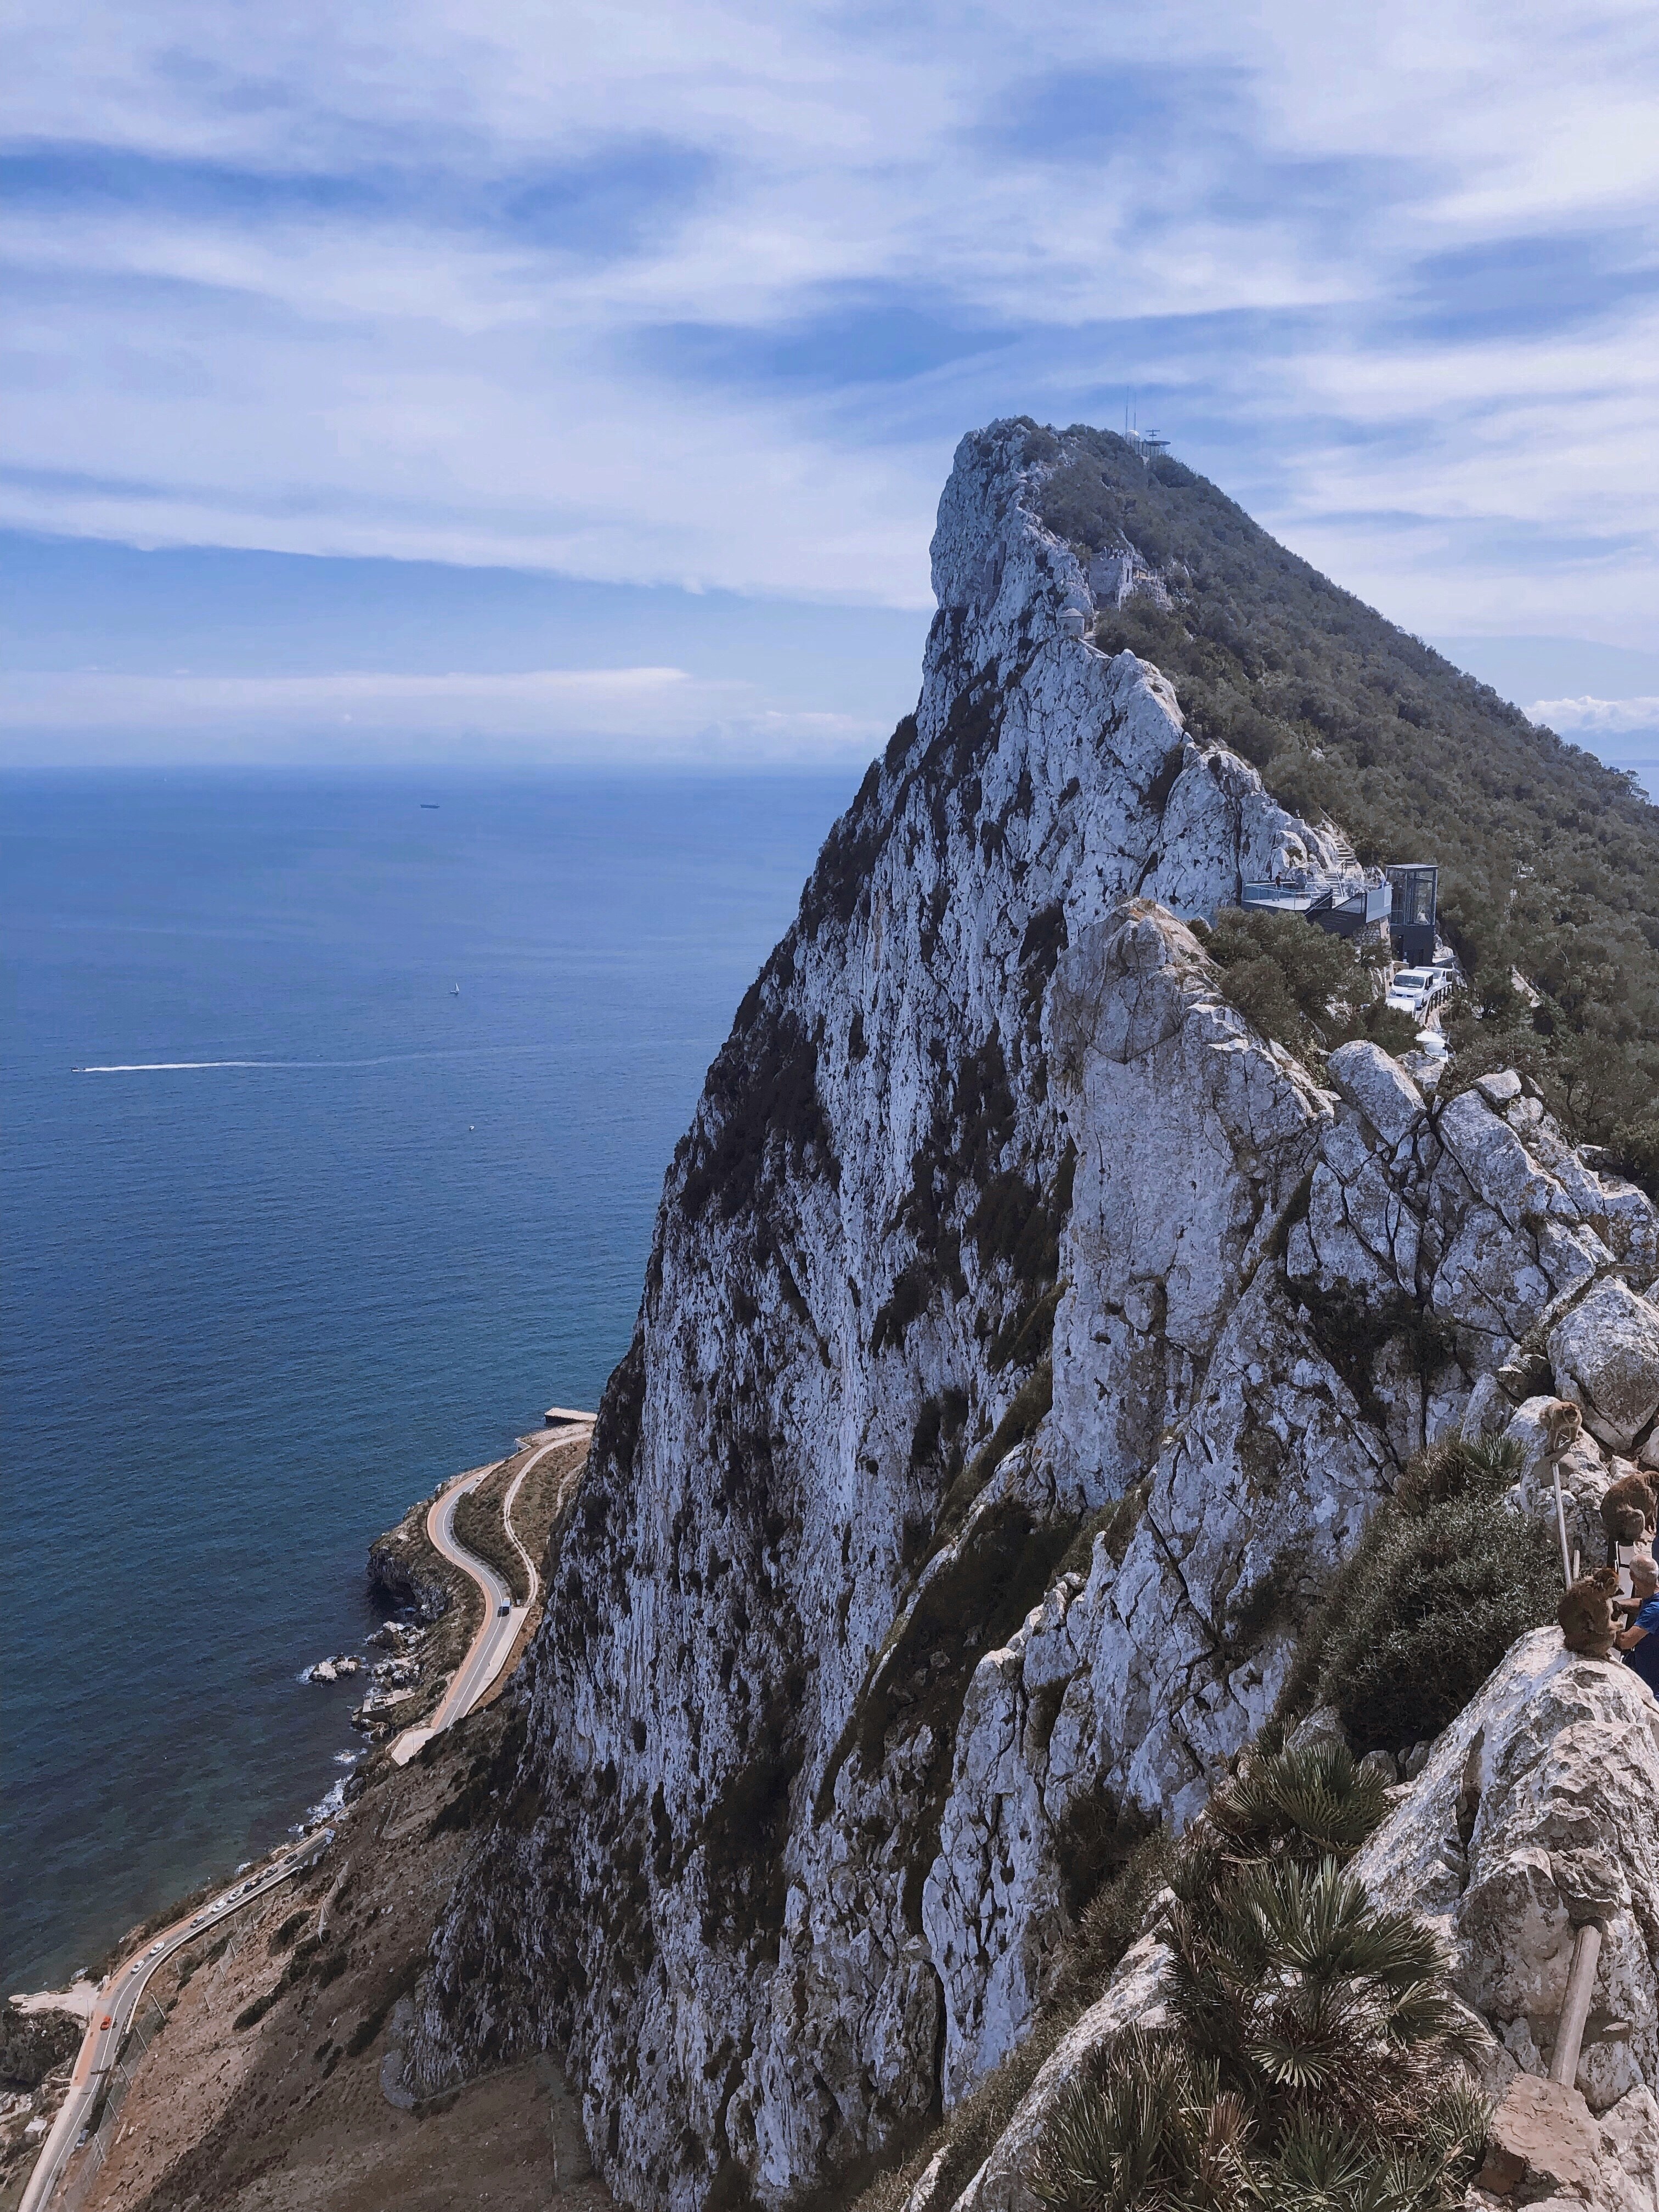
(1153, 2132)
(1304, 1995)
(1308, 1804)
(1458, 1468)
(1301, 2071)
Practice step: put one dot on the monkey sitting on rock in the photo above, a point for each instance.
(1586, 1614)
(1630, 1510)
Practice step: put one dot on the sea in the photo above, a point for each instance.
(336, 1113)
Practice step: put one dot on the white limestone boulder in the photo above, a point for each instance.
(1606, 1355)
(1537, 1812)
(1381, 1089)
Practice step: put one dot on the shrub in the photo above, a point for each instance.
(1095, 1839)
(1281, 974)
(488, 1775)
(283, 1936)
(1114, 1917)
(1454, 1468)
(1304, 2065)
(372, 2022)
(1443, 1580)
(1117, 1521)
(366, 2031)
(1030, 1402)
(1429, 1607)
(1633, 1151)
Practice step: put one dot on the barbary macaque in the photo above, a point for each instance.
(1586, 1614)
(1563, 1426)
(1630, 1511)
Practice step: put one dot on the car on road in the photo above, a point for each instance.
(108, 2020)
(1415, 990)
(503, 1609)
(154, 1948)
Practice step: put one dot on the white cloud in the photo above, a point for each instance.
(567, 715)
(1604, 717)
(328, 331)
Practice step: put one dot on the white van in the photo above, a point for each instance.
(1415, 990)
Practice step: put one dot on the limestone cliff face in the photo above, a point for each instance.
(993, 1214)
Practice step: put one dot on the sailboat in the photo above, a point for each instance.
(454, 990)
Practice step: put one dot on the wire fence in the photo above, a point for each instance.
(117, 2081)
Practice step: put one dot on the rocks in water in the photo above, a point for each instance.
(339, 1668)
(393, 1682)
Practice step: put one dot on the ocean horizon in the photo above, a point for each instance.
(336, 1111)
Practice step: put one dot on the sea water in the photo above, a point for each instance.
(336, 1116)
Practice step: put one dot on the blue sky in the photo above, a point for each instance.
(578, 381)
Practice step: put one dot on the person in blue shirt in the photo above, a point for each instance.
(1640, 1642)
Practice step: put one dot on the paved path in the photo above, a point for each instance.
(492, 1647)
(119, 1999)
(532, 1580)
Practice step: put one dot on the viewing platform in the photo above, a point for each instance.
(1403, 897)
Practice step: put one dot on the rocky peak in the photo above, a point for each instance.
(995, 1223)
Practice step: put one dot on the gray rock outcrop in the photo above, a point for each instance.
(1025, 1339)
(1538, 1816)
(1538, 1812)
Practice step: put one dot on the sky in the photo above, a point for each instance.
(578, 381)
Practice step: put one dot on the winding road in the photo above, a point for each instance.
(492, 1647)
(119, 1999)
(120, 1996)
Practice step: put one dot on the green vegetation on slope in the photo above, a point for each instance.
(1286, 978)
(1287, 1985)
(1443, 1580)
(1549, 861)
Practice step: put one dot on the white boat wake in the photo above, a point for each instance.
(176, 1066)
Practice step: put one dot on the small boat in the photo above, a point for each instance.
(454, 990)
(430, 805)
